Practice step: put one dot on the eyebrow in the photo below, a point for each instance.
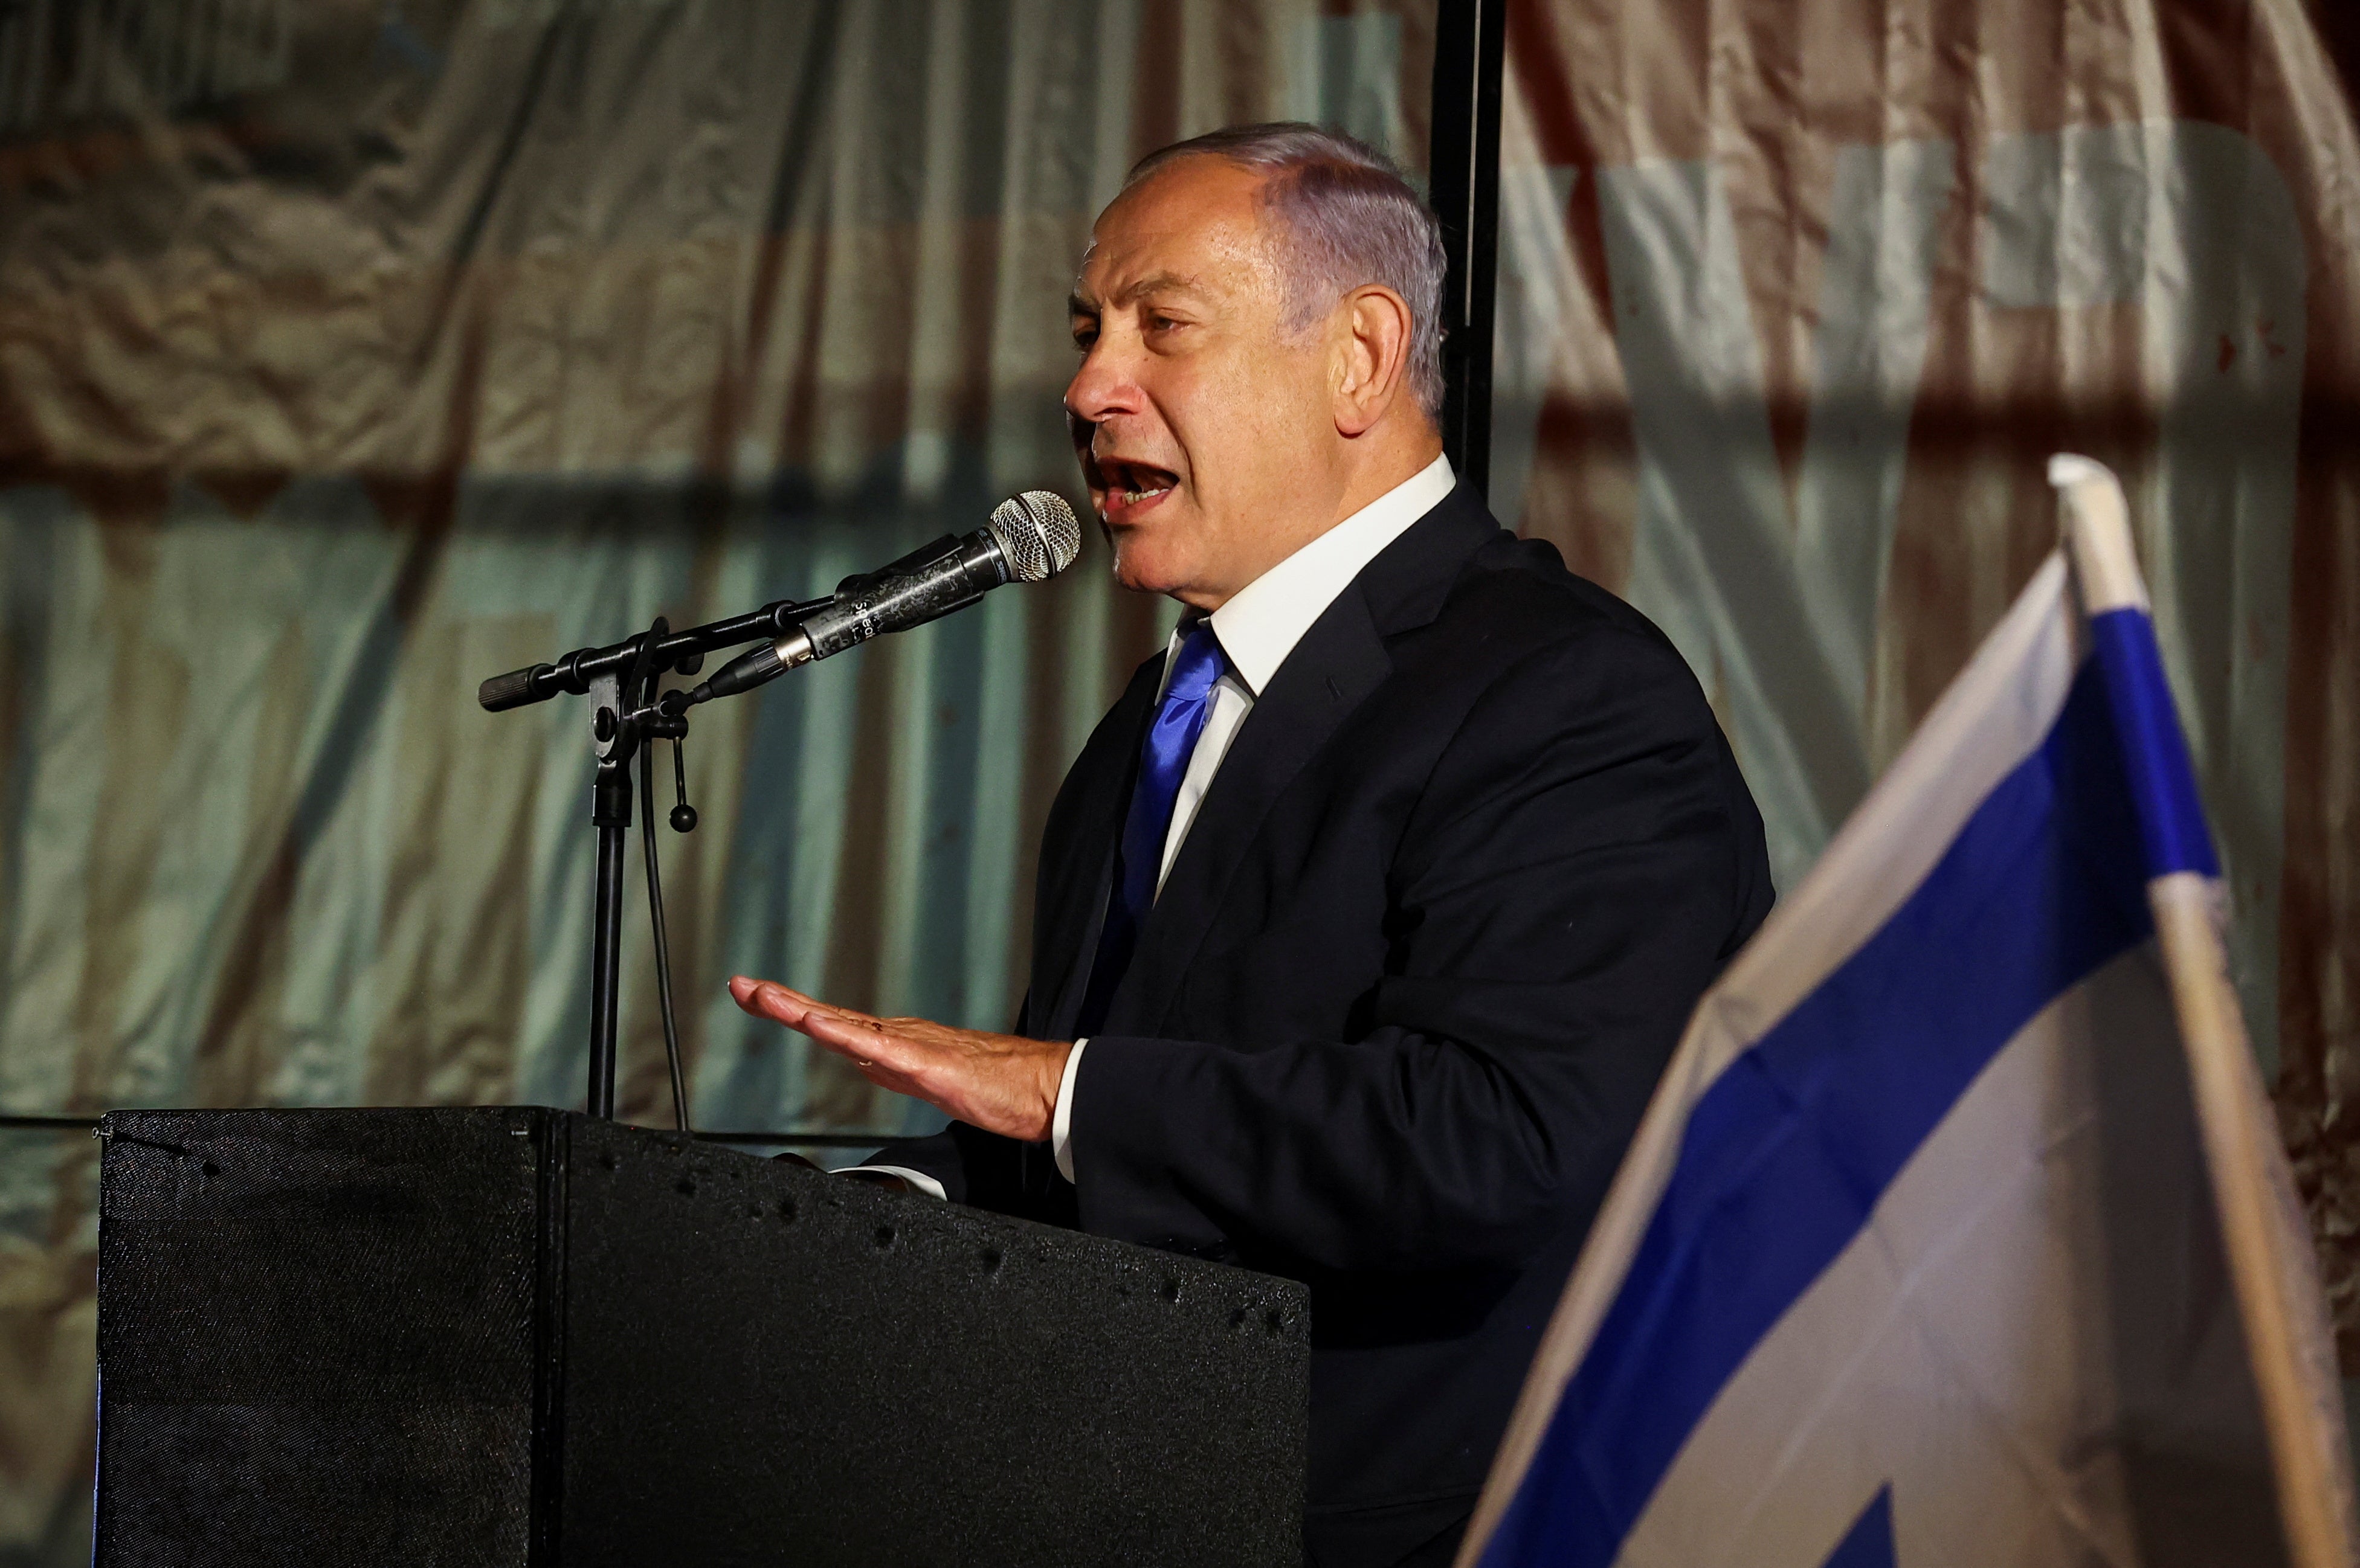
(1154, 283)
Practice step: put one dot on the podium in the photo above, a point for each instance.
(525, 1337)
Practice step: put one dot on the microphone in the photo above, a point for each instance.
(1030, 539)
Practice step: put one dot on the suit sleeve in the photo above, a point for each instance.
(973, 1166)
(1582, 862)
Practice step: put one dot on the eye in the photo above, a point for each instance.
(1084, 335)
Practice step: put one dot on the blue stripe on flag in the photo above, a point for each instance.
(1790, 1147)
(1869, 1543)
(2162, 780)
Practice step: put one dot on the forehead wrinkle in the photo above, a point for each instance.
(1159, 283)
(1166, 281)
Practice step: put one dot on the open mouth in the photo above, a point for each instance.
(1129, 487)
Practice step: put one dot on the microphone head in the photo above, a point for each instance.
(1039, 536)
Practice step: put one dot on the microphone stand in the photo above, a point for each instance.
(615, 739)
(625, 713)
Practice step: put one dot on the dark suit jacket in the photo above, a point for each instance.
(1440, 919)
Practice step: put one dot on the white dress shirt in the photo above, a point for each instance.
(1258, 628)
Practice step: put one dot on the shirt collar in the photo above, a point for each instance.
(1261, 624)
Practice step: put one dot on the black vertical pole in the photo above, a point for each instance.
(610, 811)
(1469, 38)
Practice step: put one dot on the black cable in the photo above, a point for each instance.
(664, 945)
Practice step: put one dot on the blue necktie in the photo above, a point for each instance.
(1162, 763)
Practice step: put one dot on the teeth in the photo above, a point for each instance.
(1135, 497)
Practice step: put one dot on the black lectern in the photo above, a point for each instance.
(512, 1337)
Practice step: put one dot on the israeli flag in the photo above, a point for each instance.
(1959, 1232)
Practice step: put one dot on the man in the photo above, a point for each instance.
(1369, 915)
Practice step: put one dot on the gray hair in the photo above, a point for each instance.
(1348, 218)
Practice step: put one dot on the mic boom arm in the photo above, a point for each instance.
(683, 650)
(1030, 538)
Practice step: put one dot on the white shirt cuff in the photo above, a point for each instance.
(918, 1179)
(1061, 1127)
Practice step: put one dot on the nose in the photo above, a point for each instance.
(1103, 386)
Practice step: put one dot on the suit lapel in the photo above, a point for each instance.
(1072, 901)
(1340, 661)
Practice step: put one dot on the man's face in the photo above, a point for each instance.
(1205, 428)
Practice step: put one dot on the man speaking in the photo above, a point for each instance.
(1371, 914)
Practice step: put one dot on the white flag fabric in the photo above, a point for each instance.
(1956, 1234)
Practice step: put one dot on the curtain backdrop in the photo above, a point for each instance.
(1797, 296)
(355, 350)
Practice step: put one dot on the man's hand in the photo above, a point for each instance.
(1000, 1082)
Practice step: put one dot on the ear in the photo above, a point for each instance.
(1371, 355)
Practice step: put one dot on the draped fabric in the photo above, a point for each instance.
(1797, 295)
(351, 352)
(355, 349)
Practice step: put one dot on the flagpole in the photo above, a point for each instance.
(2273, 1270)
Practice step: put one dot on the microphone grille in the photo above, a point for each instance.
(1038, 533)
